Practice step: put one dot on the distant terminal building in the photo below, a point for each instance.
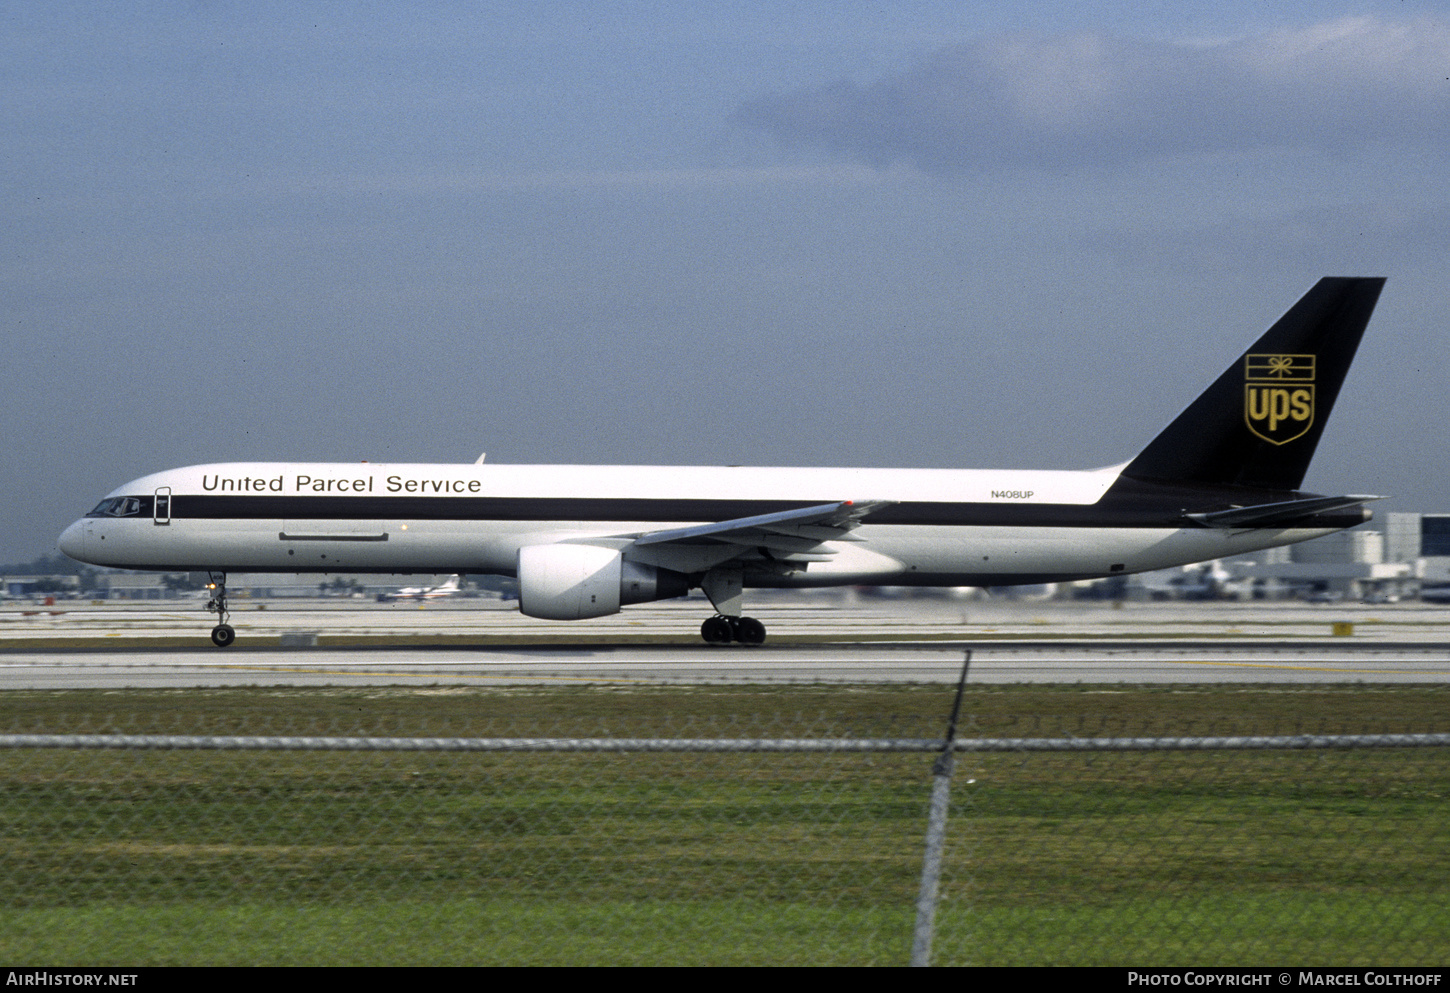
(257, 585)
(154, 586)
(28, 586)
(1423, 542)
(1410, 557)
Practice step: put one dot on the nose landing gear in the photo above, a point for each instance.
(223, 634)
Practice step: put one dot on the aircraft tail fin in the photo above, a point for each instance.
(1259, 423)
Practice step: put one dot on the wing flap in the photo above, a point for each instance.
(823, 522)
(791, 535)
(778, 542)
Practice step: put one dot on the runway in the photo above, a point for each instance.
(938, 663)
(350, 644)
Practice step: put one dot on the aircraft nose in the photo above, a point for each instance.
(72, 540)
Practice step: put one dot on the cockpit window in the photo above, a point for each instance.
(117, 507)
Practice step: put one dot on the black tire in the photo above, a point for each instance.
(223, 635)
(717, 630)
(749, 631)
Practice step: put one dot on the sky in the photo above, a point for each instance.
(907, 234)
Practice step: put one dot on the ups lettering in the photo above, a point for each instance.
(1271, 404)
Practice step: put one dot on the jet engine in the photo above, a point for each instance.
(572, 582)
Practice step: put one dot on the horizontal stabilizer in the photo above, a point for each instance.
(1283, 513)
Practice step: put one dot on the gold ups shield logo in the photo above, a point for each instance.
(1279, 396)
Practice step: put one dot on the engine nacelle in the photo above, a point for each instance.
(574, 582)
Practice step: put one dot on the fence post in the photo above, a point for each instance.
(936, 830)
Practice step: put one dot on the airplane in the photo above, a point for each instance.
(449, 587)
(1207, 581)
(585, 541)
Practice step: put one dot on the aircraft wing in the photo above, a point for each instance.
(1287, 512)
(787, 536)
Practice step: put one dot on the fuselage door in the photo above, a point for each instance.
(162, 508)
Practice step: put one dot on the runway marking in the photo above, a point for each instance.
(424, 675)
(524, 669)
(1328, 667)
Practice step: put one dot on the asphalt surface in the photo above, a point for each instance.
(851, 640)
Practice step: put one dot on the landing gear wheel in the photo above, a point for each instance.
(717, 630)
(749, 631)
(720, 630)
(223, 634)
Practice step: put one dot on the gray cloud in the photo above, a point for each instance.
(1092, 99)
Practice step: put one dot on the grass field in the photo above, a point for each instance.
(152, 857)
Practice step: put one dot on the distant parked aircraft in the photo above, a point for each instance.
(449, 587)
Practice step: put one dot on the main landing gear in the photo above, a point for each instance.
(724, 587)
(223, 634)
(721, 630)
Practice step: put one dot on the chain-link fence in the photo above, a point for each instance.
(670, 850)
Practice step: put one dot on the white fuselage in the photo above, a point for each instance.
(946, 527)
